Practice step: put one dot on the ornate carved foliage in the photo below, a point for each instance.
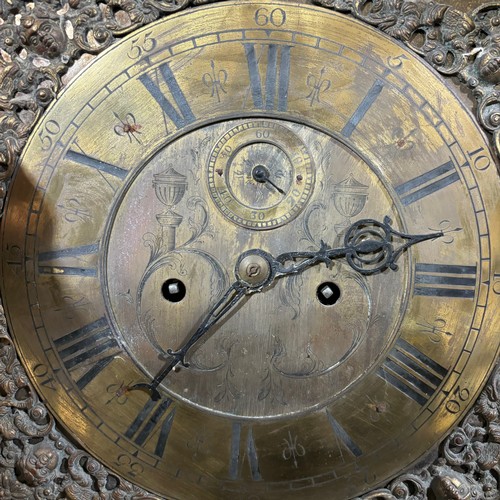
(468, 466)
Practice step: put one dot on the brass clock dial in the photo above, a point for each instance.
(174, 170)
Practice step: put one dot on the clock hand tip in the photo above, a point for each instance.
(149, 388)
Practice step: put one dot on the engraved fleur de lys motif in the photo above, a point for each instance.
(293, 449)
(436, 331)
(318, 85)
(128, 127)
(75, 211)
(446, 227)
(216, 81)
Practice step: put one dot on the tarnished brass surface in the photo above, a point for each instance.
(287, 396)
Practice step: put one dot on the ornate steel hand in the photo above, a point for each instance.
(368, 248)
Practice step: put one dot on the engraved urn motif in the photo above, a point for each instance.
(170, 187)
(349, 197)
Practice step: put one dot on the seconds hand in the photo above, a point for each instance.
(261, 174)
(368, 248)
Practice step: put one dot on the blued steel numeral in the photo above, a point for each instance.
(343, 436)
(180, 116)
(85, 346)
(412, 372)
(274, 94)
(440, 280)
(101, 166)
(236, 456)
(154, 418)
(46, 257)
(363, 108)
(428, 183)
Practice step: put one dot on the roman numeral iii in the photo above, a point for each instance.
(440, 280)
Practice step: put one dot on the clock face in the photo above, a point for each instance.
(269, 126)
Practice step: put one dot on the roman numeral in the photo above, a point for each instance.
(250, 452)
(343, 437)
(153, 425)
(179, 110)
(273, 96)
(412, 372)
(440, 280)
(101, 166)
(93, 344)
(363, 108)
(428, 183)
(47, 257)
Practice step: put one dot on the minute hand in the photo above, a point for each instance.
(369, 248)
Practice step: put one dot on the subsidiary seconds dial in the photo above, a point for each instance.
(260, 175)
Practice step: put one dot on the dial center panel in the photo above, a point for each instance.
(294, 337)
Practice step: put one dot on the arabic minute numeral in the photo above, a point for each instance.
(142, 45)
(276, 17)
(480, 160)
(397, 61)
(496, 283)
(47, 134)
(41, 372)
(460, 396)
(132, 469)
